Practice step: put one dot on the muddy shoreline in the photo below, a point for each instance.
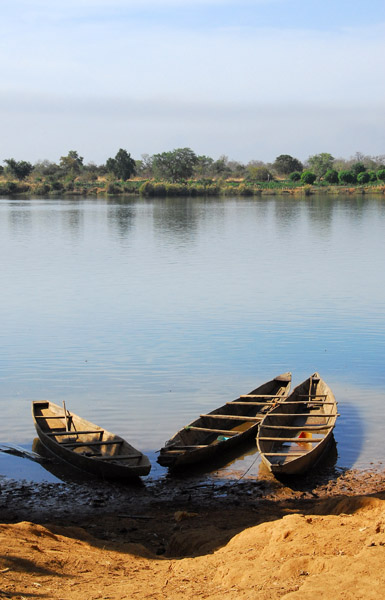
(155, 514)
(183, 539)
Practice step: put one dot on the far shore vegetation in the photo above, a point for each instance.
(181, 172)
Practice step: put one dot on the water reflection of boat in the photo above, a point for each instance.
(61, 470)
(233, 463)
(86, 446)
(294, 435)
(19, 451)
(225, 428)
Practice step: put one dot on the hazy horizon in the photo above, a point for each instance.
(247, 79)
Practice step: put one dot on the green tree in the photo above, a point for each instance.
(320, 163)
(45, 168)
(203, 166)
(331, 176)
(381, 175)
(295, 176)
(122, 166)
(346, 177)
(19, 169)
(237, 169)
(285, 164)
(308, 177)
(259, 173)
(221, 166)
(363, 177)
(144, 166)
(358, 167)
(92, 170)
(71, 164)
(175, 165)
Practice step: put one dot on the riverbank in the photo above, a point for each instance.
(180, 538)
(163, 189)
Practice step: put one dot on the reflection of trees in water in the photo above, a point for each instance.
(184, 217)
(177, 216)
(286, 211)
(320, 209)
(121, 217)
(73, 219)
(20, 217)
(355, 207)
(317, 209)
(323, 208)
(24, 216)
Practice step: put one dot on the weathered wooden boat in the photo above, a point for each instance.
(224, 428)
(295, 434)
(85, 445)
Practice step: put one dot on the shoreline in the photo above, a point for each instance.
(165, 190)
(184, 540)
(153, 504)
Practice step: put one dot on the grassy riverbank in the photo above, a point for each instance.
(190, 188)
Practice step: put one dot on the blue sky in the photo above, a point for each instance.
(248, 79)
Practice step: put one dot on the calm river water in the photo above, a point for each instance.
(142, 314)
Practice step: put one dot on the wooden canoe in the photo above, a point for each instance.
(294, 435)
(85, 445)
(224, 428)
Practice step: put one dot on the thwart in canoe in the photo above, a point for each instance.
(225, 427)
(86, 446)
(295, 434)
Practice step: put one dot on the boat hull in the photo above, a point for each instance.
(87, 446)
(295, 435)
(220, 431)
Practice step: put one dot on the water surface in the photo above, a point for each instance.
(142, 314)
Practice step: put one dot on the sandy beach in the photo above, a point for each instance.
(255, 538)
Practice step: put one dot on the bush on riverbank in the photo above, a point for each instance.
(184, 173)
(306, 185)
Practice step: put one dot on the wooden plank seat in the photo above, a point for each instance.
(308, 402)
(180, 447)
(311, 415)
(118, 457)
(73, 432)
(293, 440)
(176, 451)
(210, 430)
(236, 417)
(261, 396)
(285, 453)
(51, 417)
(258, 403)
(299, 428)
(97, 443)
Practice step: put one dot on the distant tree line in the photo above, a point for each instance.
(183, 164)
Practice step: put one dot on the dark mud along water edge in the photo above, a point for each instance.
(153, 513)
